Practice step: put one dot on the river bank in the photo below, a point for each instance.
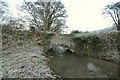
(22, 58)
(99, 45)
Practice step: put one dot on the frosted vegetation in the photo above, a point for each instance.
(28, 41)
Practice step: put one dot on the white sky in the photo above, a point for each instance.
(82, 14)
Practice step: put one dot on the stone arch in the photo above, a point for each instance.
(61, 48)
(59, 41)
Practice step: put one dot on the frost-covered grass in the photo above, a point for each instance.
(21, 58)
(25, 61)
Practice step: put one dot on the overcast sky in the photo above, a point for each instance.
(82, 14)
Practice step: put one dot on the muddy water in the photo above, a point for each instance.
(69, 65)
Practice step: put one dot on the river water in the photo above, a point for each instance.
(69, 65)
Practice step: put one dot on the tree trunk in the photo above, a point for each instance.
(118, 40)
(118, 26)
(118, 46)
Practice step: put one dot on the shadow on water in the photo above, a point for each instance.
(69, 65)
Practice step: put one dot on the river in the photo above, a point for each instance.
(69, 65)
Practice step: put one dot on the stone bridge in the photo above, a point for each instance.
(62, 42)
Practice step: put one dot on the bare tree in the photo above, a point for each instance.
(114, 11)
(3, 10)
(47, 16)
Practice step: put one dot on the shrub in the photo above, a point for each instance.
(6, 29)
(76, 31)
(87, 44)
